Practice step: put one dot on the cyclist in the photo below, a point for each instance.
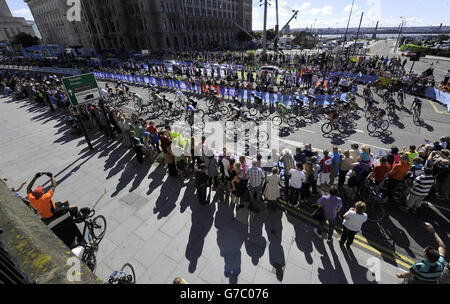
(281, 109)
(192, 102)
(417, 104)
(391, 104)
(235, 113)
(401, 96)
(387, 94)
(351, 99)
(380, 113)
(258, 100)
(333, 115)
(238, 103)
(127, 88)
(167, 101)
(180, 96)
(367, 92)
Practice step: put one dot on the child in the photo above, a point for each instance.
(417, 167)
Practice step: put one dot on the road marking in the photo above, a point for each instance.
(399, 259)
(359, 131)
(295, 143)
(436, 109)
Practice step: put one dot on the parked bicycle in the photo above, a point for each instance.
(125, 275)
(93, 232)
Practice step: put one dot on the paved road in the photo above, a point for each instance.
(155, 222)
(386, 48)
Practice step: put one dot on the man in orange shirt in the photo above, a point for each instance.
(397, 173)
(44, 203)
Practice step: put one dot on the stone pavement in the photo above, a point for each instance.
(155, 222)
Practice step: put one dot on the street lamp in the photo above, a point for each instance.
(400, 32)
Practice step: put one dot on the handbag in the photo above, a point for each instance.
(318, 215)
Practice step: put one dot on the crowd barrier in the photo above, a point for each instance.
(51, 70)
(439, 95)
(267, 97)
(431, 93)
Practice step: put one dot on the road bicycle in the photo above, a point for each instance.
(93, 232)
(330, 126)
(287, 118)
(376, 124)
(125, 275)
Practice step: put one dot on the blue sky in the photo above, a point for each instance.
(333, 13)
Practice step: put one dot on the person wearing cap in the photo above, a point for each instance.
(43, 202)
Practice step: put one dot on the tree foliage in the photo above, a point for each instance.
(24, 39)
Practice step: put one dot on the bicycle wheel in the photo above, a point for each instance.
(137, 105)
(292, 122)
(327, 128)
(351, 117)
(264, 113)
(371, 127)
(178, 104)
(375, 211)
(342, 128)
(176, 114)
(99, 227)
(223, 110)
(262, 136)
(200, 113)
(277, 120)
(129, 270)
(384, 125)
(253, 112)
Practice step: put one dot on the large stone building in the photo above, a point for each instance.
(11, 26)
(165, 24)
(51, 18)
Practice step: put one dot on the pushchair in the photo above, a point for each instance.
(401, 191)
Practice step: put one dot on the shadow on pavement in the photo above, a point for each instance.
(202, 218)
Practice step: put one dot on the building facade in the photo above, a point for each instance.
(50, 17)
(11, 26)
(158, 25)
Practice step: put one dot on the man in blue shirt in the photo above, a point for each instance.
(429, 269)
(336, 161)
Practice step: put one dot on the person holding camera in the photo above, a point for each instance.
(431, 266)
(43, 202)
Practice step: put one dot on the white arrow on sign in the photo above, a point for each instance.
(70, 92)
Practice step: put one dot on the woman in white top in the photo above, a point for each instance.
(353, 220)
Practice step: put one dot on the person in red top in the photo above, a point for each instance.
(397, 173)
(43, 202)
(154, 138)
(325, 168)
(380, 171)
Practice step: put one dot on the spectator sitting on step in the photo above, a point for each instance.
(44, 203)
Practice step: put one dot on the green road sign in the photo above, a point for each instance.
(81, 88)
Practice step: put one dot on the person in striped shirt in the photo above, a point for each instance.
(420, 189)
(430, 268)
